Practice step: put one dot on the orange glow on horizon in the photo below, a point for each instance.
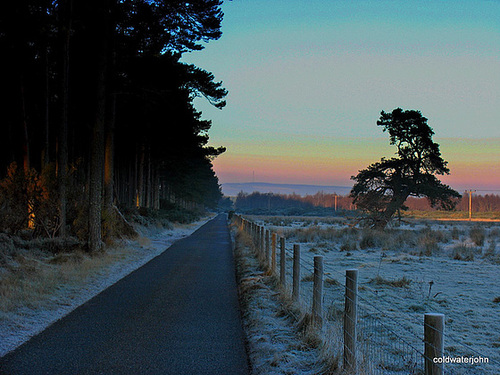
(245, 168)
(471, 162)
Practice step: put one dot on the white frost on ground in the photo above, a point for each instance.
(391, 317)
(19, 326)
(274, 344)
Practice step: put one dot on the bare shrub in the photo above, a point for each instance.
(308, 234)
(494, 233)
(348, 238)
(369, 239)
(349, 245)
(428, 241)
(463, 252)
(408, 238)
(403, 282)
(455, 233)
(491, 253)
(491, 250)
(477, 235)
(16, 198)
(392, 241)
(315, 234)
(325, 246)
(30, 199)
(278, 221)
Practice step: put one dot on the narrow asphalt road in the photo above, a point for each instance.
(178, 314)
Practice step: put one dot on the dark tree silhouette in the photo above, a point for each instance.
(95, 99)
(65, 19)
(382, 189)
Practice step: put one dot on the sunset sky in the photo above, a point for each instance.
(307, 81)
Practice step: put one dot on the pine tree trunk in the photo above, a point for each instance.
(386, 216)
(136, 179)
(149, 185)
(140, 177)
(97, 146)
(26, 145)
(109, 155)
(110, 130)
(131, 185)
(62, 144)
(156, 189)
(46, 100)
(26, 156)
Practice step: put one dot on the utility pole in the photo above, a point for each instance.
(470, 202)
(335, 202)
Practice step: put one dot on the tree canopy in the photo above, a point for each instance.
(383, 187)
(96, 92)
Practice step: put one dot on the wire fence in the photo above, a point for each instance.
(367, 338)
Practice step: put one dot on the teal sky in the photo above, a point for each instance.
(307, 78)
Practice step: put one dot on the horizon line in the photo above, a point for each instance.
(284, 183)
(487, 190)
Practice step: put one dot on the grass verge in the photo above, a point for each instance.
(281, 338)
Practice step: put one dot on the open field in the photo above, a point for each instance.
(422, 266)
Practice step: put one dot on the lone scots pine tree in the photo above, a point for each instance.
(382, 189)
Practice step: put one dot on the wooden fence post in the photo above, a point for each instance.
(296, 273)
(257, 239)
(256, 236)
(317, 305)
(262, 246)
(433, 343)
(254, 230)
(350, 320)
(273, 253)
(268, 249)
(282, 263)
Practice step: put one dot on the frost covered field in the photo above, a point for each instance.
(28, 306)
(451, 268)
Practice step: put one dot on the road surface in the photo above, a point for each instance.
(178, 314)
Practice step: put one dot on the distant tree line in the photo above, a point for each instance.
(480, 203)
(270, 201)
(96, 111)
(320, 203)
